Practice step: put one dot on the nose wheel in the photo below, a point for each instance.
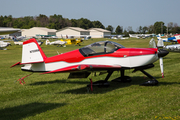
(151, 82)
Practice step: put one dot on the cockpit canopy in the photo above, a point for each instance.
(98, 48)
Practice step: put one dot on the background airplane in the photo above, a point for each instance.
(19, 38)
(3, 45)
(117, 37)
(170, 48)
(105, 56)
(73, 41)
(6, 30)
(18, 42)
(57, 42)
(171, 39)
(139, 35)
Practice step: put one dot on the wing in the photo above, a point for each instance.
(76, 68)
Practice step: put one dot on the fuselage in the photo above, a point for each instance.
(172, 48)
(124, 57)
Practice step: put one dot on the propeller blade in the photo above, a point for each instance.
(161, 66)
(152, 43)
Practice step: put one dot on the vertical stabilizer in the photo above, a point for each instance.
(32, 52)
(160, 43)
(158, 36)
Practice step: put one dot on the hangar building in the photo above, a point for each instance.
(71, 31)
(99, 32)
(38, 31)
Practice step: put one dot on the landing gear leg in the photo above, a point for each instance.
(151, 82)
(102, 83)
(123, 78)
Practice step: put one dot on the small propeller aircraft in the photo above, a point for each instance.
(3, 31)
(170, 48)
(57, 42)
(73, 41)
(100, 56)
(18, 42)
(171, 39)
(3, 45)
(8, 30)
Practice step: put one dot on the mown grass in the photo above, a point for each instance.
(53, 96)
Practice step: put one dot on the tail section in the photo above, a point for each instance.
(32, 52)
(48, 42)
(158, 36)
(14, 39)
(178, 41)
(177, 38)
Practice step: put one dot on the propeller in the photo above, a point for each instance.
(161, 52)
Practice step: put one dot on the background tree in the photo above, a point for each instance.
(175, 29)
(74, 22)
(151, 29)
(144, 29)
(1, 21)
(130, 30)
(118, 30)
(7, 22)
(42, 20)
(110, 28)
(140, 29)
(170, 27)
(98, 24)
(126, 33)
(85, 23)
(159, 27)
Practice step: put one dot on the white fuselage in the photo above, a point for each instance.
(127, 62)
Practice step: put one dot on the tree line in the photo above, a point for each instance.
(58, 22)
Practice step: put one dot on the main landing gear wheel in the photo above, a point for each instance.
(100, 83)
(150, 83)
(124, 79)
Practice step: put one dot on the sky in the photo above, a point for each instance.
(124, 13)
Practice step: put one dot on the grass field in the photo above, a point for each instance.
(54, 97)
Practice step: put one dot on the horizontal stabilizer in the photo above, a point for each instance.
(18, 63)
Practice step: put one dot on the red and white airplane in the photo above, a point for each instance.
(99, 56)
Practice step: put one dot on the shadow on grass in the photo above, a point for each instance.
(113, 86)
(59, 81)
(96, 90)
(23, 111)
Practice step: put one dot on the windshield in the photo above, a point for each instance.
(101, 47)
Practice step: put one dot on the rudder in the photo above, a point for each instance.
(32, 52)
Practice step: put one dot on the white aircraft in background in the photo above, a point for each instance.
(19, 38)
(7, 30)
(118, 37)
(58, 43)
(4, 31)
(16, 42)
(3, 45)
(170, 48)
(139, 35)
(134, 36)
